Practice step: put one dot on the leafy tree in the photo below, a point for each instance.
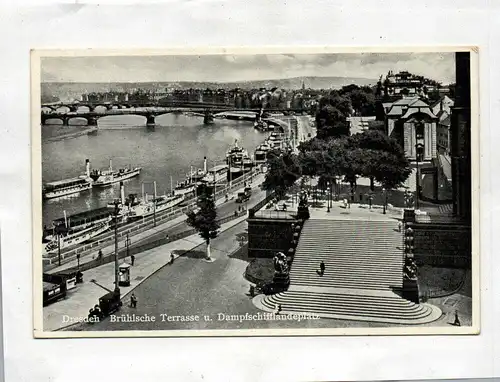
(204, 220)
(283, 171)
(380, 158)
(376, 125)
(331, 123)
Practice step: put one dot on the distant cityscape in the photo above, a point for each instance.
(278, 94)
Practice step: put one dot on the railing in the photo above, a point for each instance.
(258, 206)
(149, 222)
(126, 252)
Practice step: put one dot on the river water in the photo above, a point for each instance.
(176, 143)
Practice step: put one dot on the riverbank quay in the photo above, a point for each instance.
(148, 230)
(141, 229)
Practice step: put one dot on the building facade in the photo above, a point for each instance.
(412, 123)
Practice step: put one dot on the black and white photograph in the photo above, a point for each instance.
(255, 192)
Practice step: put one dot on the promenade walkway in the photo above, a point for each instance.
(86, 295)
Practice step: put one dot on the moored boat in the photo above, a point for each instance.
(158, 204)
(74, 237)
(216, 174)
(103, 178)
(260, 154)
(69, 186)
(184, 188)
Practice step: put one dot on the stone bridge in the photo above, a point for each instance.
(148, 110)
(92, 117)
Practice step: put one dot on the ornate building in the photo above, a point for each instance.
(412, 123)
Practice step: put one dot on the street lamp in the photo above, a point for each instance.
(418, 147)
(385, 200)
(127, 244)
(59, 247)
(328, 202)
(117, 209)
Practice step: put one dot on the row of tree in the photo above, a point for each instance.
(370, 154)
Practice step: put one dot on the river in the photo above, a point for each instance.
(176, 143)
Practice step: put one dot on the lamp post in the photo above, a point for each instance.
(59, 247)
(117, 289)
(418, 147)
(329, 196)
(78, 261)
(127, 244)
(384, 190)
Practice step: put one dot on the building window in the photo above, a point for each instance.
(420, 131)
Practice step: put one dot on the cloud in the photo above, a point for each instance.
(225, 68)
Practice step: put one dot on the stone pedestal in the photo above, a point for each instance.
(410, 290)
(281, 281)
(303, 213)
(409, 215)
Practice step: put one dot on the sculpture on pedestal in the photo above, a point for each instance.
(303, 209)
(410, 269)
(280, 264)
(281, 279)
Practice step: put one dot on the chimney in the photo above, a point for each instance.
(205, 164)
(87, 168)
(122, 193)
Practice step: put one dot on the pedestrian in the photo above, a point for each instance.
(400, 226)
(132, 259)
(167, 238)
(97, 312)
(133, 301)
(252, 291)
(322, 268)
(457, 321)
(172, 258)
(99, 255)
(278, 309)
(235, 214)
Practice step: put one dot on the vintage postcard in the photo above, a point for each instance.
(244, 192)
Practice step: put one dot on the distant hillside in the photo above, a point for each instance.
(68, 91)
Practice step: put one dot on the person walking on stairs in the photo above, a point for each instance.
(322, 268)
(278, 309)
(400, 226)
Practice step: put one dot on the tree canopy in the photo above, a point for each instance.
(283, 171)
(331, 119)
(205, 219)
(370, 154)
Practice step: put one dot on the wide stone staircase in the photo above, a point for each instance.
(363, 275)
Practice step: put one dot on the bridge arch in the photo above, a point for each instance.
(63, 109)
(83, 109)
(99, 109)
(125, 120)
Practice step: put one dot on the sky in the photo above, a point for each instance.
(229, 68)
